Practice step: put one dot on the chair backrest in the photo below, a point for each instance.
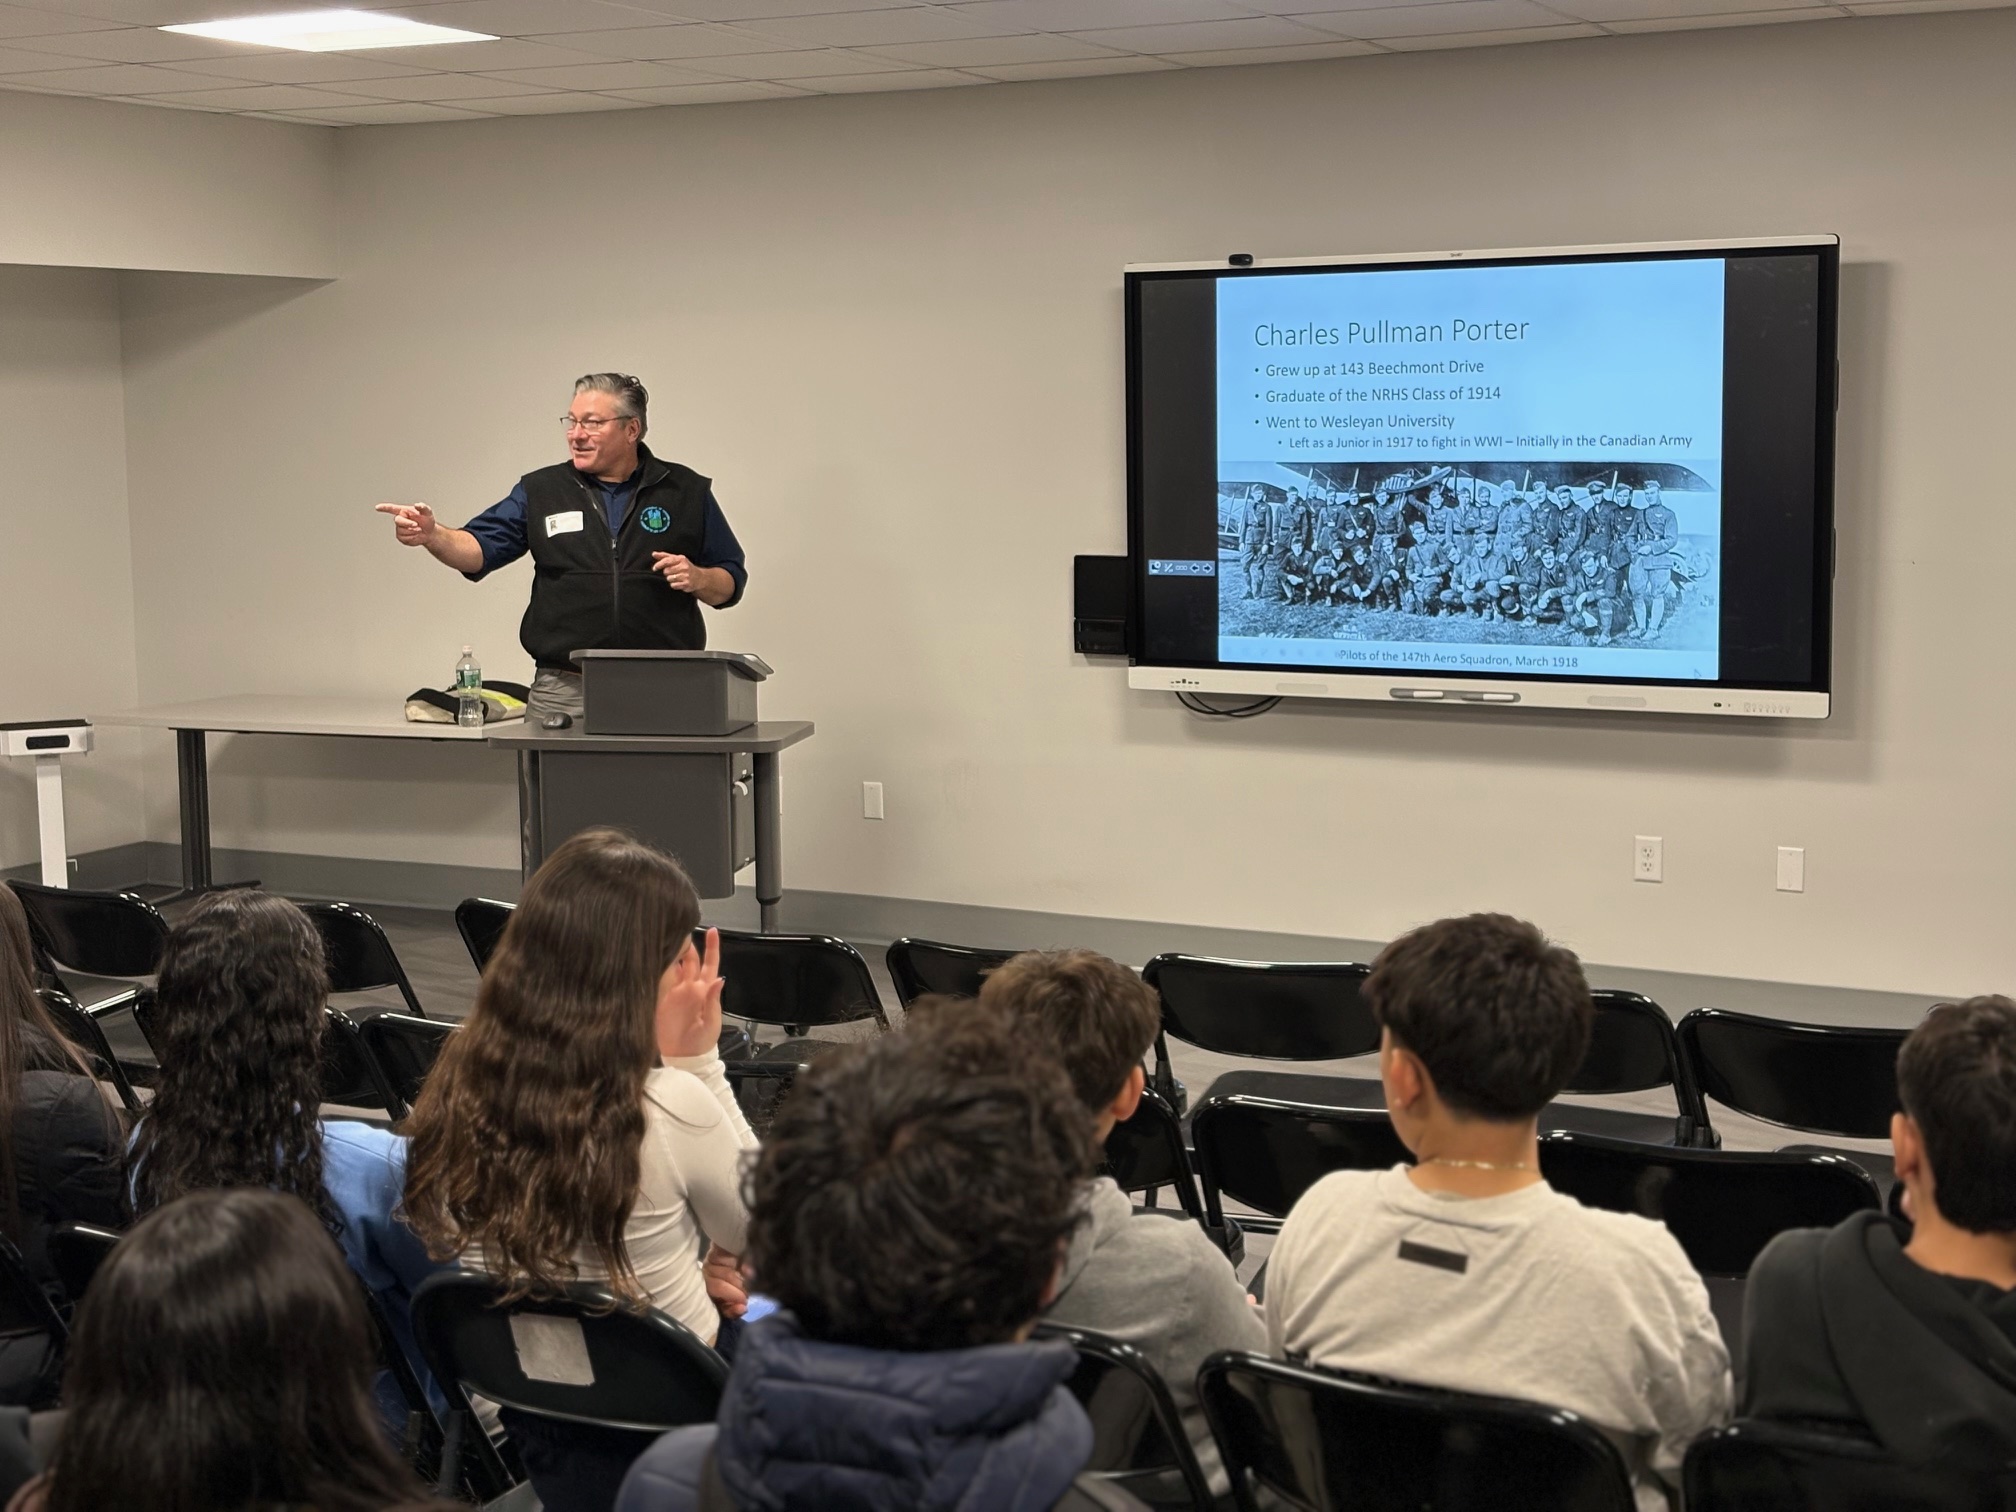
(88, 1035)
(1752, 1466)
(350, 1074)
(1820, 1078)
(480, 922)
(1269, 1010)
(1137, 1433)
(76, 1250)
(797, 980)
(1633, 1048)
(28, 1322)
(405, 1049)
(361, 958)
(921, 967)
(1723, 1206)
(1148, 1151)
(1324, 1440)
(580, 1357)
(99, 933)
(1266, 1153)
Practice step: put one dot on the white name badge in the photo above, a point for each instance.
(560, 524)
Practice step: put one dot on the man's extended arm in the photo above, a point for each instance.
(415, 525)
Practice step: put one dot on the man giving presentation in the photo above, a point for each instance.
(625, 546)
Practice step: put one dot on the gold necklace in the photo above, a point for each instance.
(1477, 1165)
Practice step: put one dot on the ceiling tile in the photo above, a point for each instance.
(916, 23)
(302, 68)
(15, 60)
(1490, 38)
(1436, 20)
(137, 44)
(481, 57)
(920, 78)
(1237, 57)
(713, 94)
(1208, 36)
(160, 12)
(518, 18)
(797, 65)
(112, 79)
(754, 10)
(1651, 10)
(692, 40)
(263, 97)
(604, 74)
(25, 21)
(1087, 68)
(1907, 7)
(441, 88)
(993, 51)
(1745, 18)
(571, 103)
(385, 113)
(1091, 15)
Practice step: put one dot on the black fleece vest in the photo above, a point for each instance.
(591, 593)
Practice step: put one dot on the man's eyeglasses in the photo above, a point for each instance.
(593, 427)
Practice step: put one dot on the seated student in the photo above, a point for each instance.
(580, 1124)
(1467, 1271)
(62, 1148)
(907, 1212)
(240, 1007)
(223, 1359)
(1150, 1278)
(1913, 1343)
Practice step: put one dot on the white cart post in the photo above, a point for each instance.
(49, 741)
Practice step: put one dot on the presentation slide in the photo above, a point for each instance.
(1473, 469)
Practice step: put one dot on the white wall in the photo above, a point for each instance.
(890, 326)
(66, 565)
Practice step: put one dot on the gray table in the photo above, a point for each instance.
(538, 748)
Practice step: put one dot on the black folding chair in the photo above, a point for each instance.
(1723, 1206)
(88, 1035)
(480, 922)
(1632, 1048)
(1146, 1153)
(1320, 1440)
(1266, 1011)
(796, 982)
(1138, 1442)
(577, 1358)
(1266, 1153)
(1816, 1078)
(100, 934)
(350, 1073)
(920, 968)
(33, 1336)
(361, 958)
(76, 1250)
(405, 1049)
(1753, 1466)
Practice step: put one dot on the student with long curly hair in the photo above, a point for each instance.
(61, 1145)
(241, 996)
(223, 1360)
(580, 1124)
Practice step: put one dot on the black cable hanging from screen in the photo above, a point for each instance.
(1196, 705)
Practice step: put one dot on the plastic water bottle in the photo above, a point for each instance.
(468, 691)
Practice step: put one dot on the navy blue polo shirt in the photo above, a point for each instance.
(501, 531)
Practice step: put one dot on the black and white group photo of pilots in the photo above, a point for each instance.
(1501, 553)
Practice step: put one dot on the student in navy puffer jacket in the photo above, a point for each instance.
(909, 1212)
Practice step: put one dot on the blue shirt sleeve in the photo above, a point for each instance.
(500, 531)
(718, 548)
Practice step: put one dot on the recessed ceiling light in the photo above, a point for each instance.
(329, 31)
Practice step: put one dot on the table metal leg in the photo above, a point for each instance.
(531, 840)
(769, 841)
(192, 777)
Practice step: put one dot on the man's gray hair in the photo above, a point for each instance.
(624, 388)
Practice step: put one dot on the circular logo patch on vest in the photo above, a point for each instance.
(655, 520)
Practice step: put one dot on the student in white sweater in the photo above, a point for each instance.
(1466, 1271)
(580, 1125)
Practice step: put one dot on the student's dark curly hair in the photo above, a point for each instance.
(242, 988)
(223, 1360)
(917, 1190)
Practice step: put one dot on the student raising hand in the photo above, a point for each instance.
(689, 1001)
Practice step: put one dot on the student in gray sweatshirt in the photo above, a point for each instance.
(1151, 1279)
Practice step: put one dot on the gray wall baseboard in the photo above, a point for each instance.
(871, 922)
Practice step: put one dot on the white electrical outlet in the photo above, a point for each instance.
(1791, 868)
(871, 800)
(1648, 859)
